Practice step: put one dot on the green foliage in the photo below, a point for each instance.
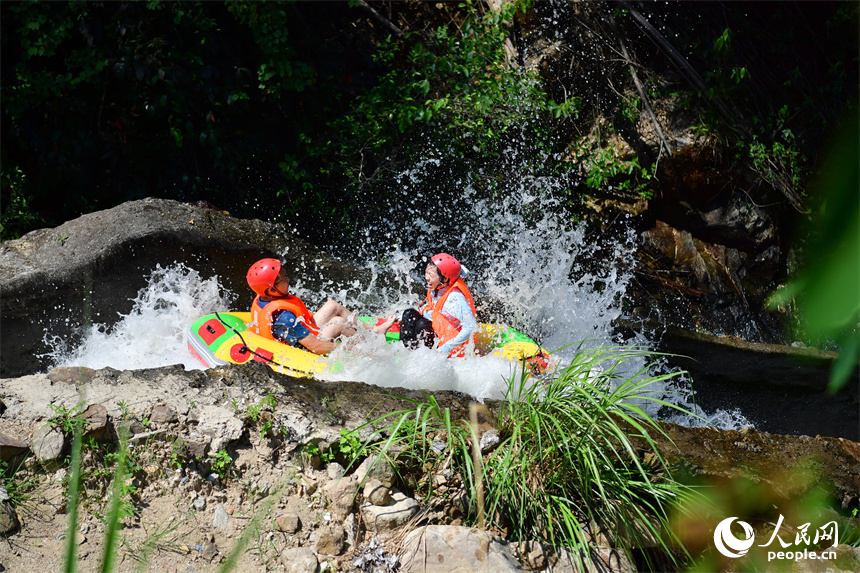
(222, 464)
(604, 170)
(254, 413)
(280, 71)
(17, 482)
(66, 420)
(449, 88)
(347, 449)
(17, 215)
(267, 403)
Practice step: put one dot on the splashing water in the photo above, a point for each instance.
(152, 334)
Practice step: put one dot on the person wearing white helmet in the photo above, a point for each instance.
(447, 315)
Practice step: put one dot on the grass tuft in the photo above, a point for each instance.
(566, 468)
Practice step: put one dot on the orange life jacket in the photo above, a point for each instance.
(262, 318)
(445, 326)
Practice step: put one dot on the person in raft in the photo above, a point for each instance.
(278, 315)
(447, 315)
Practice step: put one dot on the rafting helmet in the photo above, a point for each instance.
(263, 274)
(448, 266)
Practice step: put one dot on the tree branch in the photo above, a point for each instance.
(385, 21)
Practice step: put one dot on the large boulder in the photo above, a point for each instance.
(92, 268)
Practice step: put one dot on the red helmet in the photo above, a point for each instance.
(263, 274)
(448, 266)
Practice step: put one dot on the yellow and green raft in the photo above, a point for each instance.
(224, 338)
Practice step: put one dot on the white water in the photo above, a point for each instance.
(530, 271)
(152, 334)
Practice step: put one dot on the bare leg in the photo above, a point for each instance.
(381, 328)
(331, 311)
(334, 329)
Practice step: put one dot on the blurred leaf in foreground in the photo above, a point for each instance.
(828, 289)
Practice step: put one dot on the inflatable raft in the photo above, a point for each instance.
(223, 338)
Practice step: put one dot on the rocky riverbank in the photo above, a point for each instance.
(230, 457)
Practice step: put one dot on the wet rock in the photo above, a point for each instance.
(330, 540)
(782, 467)
(398, 511)
(723, 287)
(299, 560)
(10, 447)
(443, 549)
(48, 444)
(781, 389)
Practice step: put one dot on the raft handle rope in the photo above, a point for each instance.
(246, 348)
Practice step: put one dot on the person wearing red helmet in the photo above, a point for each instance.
(278, 315)
(447, 314)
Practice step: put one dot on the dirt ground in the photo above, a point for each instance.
(182, 515)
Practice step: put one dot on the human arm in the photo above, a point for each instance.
(316, 345)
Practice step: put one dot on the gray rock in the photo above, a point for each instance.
(219, 424)
(330, 540)
(376, 493)
(335, 470)
(489, 440)
(391, 516)
(210, 550)
(604, 560)
(198, 449)
(375, 467)
(163, 415)
(95, 419)
(221, 517)
(341, 494)
(8, 518)
(10, 447)
(288, 523)
(48, 444)
(451, 549)
(299, 560)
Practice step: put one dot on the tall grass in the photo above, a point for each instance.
(566, 466)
